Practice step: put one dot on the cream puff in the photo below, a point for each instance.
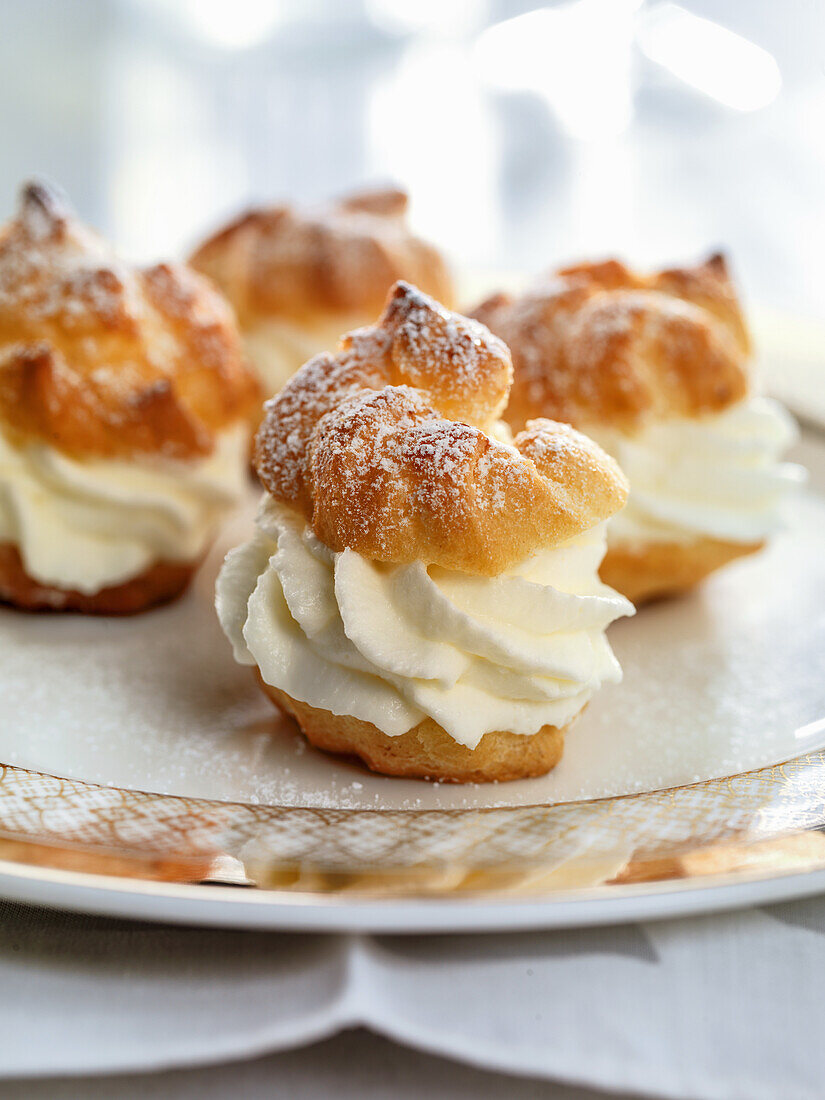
(126, 411)
(656, 369)
(421, 592)
(297, 279)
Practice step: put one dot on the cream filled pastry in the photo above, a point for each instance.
(418, 592)
(297, 279)
(657, 370)
(719, 476)
(125, 417)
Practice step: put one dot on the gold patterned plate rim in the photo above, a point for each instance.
(715, 844)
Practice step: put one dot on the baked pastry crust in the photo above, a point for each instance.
(100, 359)
(601, 346)
(307, 265)
(383, 448)
(598, 344)
(427, 751)
(160, 583)
(644, 573)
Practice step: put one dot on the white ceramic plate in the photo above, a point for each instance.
(637, 821)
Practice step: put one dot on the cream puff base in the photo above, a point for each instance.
(647, 572)
(427, 751)
(160, 583)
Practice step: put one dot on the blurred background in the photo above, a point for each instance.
(527, 134)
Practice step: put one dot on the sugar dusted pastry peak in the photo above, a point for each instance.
(707, 284)
(339, 258)
(384, 448)
(99, 358)
(656, 368)
(44, 210)
(599, 344)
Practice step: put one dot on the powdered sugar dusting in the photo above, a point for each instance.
(51, 267)
(125, 702)
(597, 344)
(340, 258)
(385, 448)
(101, 358)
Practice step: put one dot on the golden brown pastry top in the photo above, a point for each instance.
(303, 266)
(383, 447)
(598, 344)
(101, 359)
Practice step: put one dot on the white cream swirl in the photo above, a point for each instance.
(391, 644)
(86, 525)
(716, 476)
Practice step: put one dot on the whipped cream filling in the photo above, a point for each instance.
(277, 348)
(86, 525)
(717, 476)
(392, 644)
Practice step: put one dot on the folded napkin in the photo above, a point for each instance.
(357, 1065)
(711, 1008)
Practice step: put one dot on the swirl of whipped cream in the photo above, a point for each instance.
(717, 476)
(391, 644)
(88, 524)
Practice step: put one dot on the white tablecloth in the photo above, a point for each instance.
(716, 1008)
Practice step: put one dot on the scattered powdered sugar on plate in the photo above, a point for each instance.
(715, 683)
